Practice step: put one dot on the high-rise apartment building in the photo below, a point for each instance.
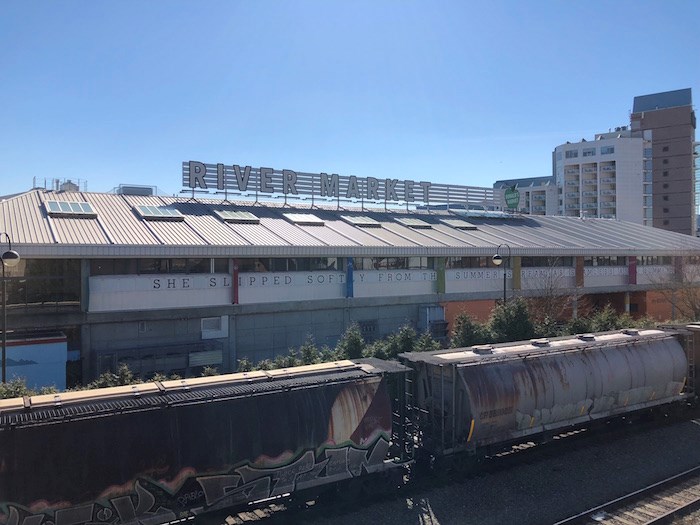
(671, 119)
(605, 177)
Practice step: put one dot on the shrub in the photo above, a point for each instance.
(468, 332)
(511, 321)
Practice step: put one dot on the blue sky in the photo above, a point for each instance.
(443, 91)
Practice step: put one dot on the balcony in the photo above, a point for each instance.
(571, 172)
(590, 205)
(608, 180)
(608, 192)
(538, 197)
(608, 168)
(607, 204)
(572, 183)
(590, 193)
(590, 182)
(590, 170)
(571, 195)
(572, 206)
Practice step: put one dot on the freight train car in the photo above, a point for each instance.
(158, 452)
(484, 398)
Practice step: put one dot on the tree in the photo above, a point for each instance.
(426, 343)
(682, 289)
(553, 296)
(351, 343)
(468, 332)
(511, 321)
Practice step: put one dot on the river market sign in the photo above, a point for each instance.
(246, 180)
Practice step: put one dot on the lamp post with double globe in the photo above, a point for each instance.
(10, 258)
(498, 260)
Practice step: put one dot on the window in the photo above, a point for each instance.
(467, 262)
(413, 223)
(546, 262)
(607, 150)
(588, 152)
(159, 213)
(220, 265)
(665, 185)
(665, 173)
(69, 209)
(238, 217)
(292, 264)
(612, 260)
(664, 161)
(303, 219)
(665, 210)
(361, 220)
(572, 154)
(666, 223)
(393, 263)
(647, 152)
(665, 197)
(665, 148)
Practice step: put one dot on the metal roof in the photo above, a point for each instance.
(119, 231)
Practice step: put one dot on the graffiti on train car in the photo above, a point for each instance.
(152, 504)
(143, 506)
(251, 484)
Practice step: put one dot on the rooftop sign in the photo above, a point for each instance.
(237, 179)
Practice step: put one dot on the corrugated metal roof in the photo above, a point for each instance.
(118, 231)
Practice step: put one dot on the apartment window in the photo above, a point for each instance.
(665, 197)
(665, 185)
(607, 150)
(647, 201)
(665, 173)
(588, 152)
(666, 223)
(665, 161)
(572, 154)
(647, 152)
(665, 148)
(665, 210)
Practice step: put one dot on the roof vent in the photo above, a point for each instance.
(539, 342)
(630, 331)
(131, 189)
(586, 337)
(482, 349)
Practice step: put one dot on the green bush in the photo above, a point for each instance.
(468, 332)
(351, 343)
(511, 321)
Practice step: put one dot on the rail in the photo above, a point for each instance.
(654, 504)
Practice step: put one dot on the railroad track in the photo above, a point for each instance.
(657, 503)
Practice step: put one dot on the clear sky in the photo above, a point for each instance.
(454, 92)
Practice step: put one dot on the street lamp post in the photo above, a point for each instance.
(498, 260)
(10, 258)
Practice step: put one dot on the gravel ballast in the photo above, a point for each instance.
(544, 490)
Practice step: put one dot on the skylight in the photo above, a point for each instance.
(304, 219)
(458, 224)
(361, 220)
(238, 217)
(413, 223)
(159, 213)
(69, 209)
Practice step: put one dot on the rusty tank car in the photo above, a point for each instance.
(477, 399)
